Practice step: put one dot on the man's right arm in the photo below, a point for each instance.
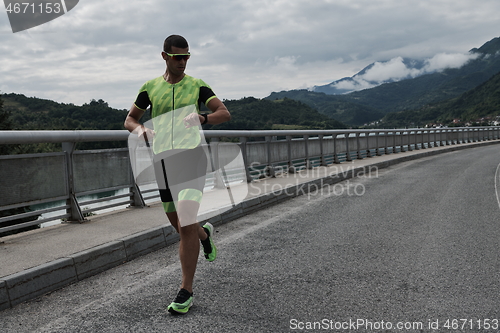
(133, 116)
(133, 125)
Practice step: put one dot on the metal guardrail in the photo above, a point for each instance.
(62, 178)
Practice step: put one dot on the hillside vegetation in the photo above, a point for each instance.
(31, 113)
(480, 105)
(335, 107)
(255, 114)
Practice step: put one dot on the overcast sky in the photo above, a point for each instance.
(106, 49)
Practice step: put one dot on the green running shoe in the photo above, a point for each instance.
(208, 244)
(181, 303)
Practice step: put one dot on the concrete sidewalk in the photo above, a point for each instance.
(39, 261)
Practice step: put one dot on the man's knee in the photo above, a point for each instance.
(189, 230)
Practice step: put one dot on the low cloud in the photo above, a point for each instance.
(443, 61)
(396, 70)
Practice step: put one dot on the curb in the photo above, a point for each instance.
(39, 280)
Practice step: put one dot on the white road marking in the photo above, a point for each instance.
(497, 181)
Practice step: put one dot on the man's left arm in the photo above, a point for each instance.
(219, 114)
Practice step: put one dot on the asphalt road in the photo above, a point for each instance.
(403, 249)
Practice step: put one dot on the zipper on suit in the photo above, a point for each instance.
(172, 114)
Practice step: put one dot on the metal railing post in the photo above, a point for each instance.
(368, 151)
(335, 152)
(415, 140)
(270, 167)
(214, 148)
(321, 150)
(74, 208)
(348, 151)
(137, 199)
(377, 150)
(306, 147)
(358, 147)
(291, 167)
(422, 144)
(409, 141)
(394, 146)
(243, 147)
(386, 146)
(401, 140)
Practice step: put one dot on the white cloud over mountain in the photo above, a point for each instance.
(398, 69)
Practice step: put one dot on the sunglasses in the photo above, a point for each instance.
(180, 56)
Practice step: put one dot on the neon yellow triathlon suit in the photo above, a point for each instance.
(178, 154)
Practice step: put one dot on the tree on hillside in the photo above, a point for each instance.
(5, 123)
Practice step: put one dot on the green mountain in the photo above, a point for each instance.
(333, 106)
(256, 114)
(360, 107)
(32, 113)
(480, 105)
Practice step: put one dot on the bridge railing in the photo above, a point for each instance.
(67, 185)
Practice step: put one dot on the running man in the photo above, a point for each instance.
(180, 163)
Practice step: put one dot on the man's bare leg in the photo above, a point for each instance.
(190, 234)
(174, 221)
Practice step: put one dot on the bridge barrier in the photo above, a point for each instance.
(45, 187)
